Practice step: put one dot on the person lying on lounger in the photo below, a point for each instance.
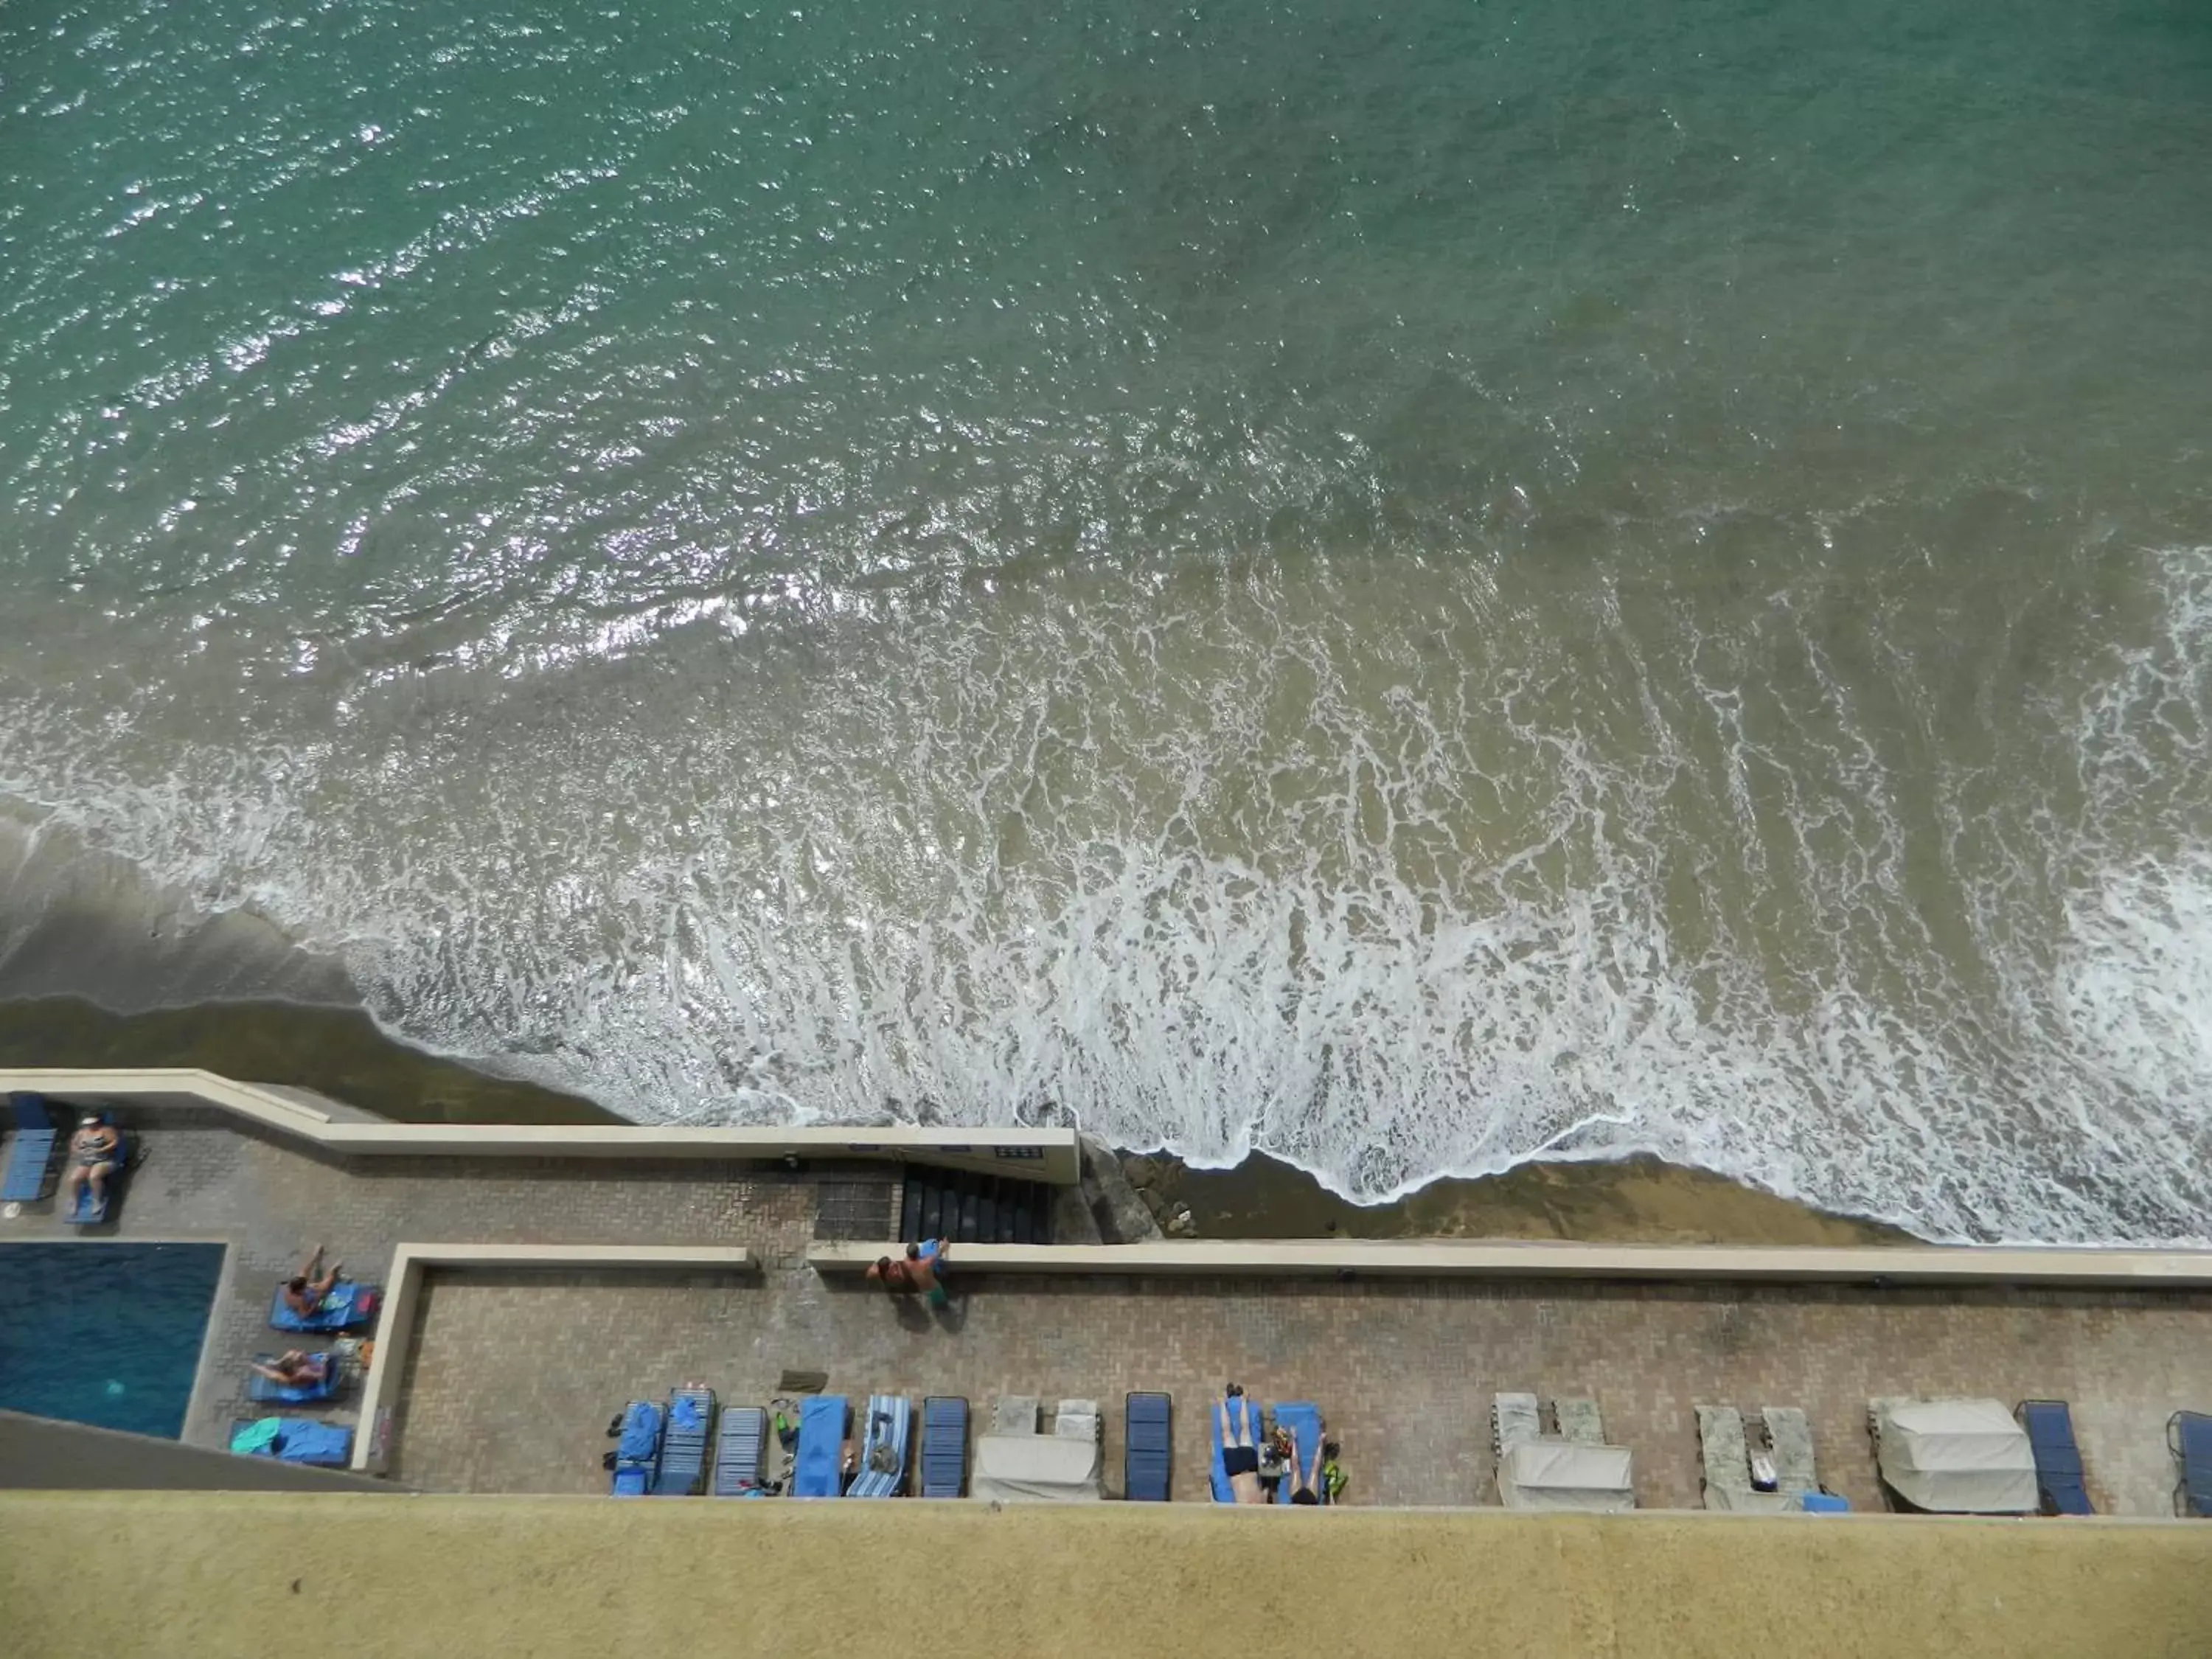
(92, 1158)
(1305, 1473)
(1240, 1458)
(304, 1290)
(295, 1368)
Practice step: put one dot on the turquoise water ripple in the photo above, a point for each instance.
(1408, 587)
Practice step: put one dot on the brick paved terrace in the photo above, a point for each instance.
(514, 1374)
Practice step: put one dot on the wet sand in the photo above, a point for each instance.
(1640, 1201)
(341, 1052)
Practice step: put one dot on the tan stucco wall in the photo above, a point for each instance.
(554, 1576)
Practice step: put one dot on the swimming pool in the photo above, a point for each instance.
(108, 1335)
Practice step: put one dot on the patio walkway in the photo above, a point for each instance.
(515, 1377)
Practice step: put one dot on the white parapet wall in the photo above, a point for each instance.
(1046, 1155)
(1878, 1265)
(395, 1321)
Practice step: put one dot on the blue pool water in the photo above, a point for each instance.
(108, 1335)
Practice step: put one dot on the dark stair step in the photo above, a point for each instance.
(974, 1209)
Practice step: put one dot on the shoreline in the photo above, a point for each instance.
(342, 1052)
(1636, 1200)
(337, 1051)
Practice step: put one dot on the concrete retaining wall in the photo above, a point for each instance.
(1046, 1155)
(1450, 1259)
(39, 1453)
(373, 1575)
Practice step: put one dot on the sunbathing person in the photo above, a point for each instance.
(1305, 1474)
(93, 1158)
(295, 1368)
(1240, 1457)
(304, 1290)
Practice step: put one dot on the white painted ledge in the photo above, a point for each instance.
(403, 1289)
(1954, 1265)
(1046, 1155)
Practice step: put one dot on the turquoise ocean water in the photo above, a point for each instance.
(1409, 586)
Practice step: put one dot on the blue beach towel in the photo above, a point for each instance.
(1302, 1418)
(882, 1453)
(326, 1445)
(293, 1440)
(347, 1304)
(818, 1471)
(258, 1387)
(88, 1209)
(1223, 1492)
(637, 1450)
(683, 1447)
(639, 1442)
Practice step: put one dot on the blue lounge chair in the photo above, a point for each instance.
(636, 1455)
(1223, 1492)
(1303, 1419)
(2189, 1438)
(90, 1210)
(944, 1446)
(293, 1440)
(883, 1447)
(260, 1387)
(819, 1469)
(34, 1151)
(739, 1451)
(347, 1305)
(683, 1446)
(1146, 1459)
(2049, 1428)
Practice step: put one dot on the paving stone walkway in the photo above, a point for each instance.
(516, 1378)
(514, 1375)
